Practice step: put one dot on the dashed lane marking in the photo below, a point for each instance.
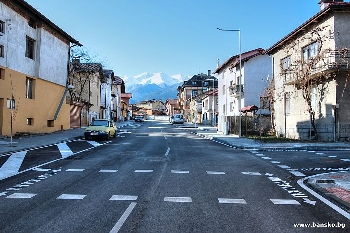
(108, 171)
(231, 201)
(215, 173)
(143, 171)
(178, 199)
(252, 173)
(123, 198)
(296, 173)
(179, 172)
(71, 197)
(21, 195)
(75, 170)
(284, 202)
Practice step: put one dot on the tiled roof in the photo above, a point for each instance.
(234, 60)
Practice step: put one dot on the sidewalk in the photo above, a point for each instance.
(331, 185)
(45, 139)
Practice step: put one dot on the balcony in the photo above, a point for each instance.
(234, 89)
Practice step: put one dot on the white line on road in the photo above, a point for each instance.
(296, 173)
(71, 197)
(75, 170)
(178, 199)
(21, 195)
(123, 198)
(215, 173)
(143, 171)
(319, 197)
(167, 152)
(179, 172)
(106, 170)
(94, 144)
(252, 173)
(12, 165)
(123, 218)
(64, 150)
(231, 201)
(284, 202)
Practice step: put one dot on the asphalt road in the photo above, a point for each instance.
(161, 178)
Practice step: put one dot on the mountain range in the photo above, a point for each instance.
(159, 86)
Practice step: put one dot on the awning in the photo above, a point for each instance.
(250, 108)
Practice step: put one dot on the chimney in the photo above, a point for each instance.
(209, 72)
(325, 3)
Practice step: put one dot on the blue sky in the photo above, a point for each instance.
(174, 37)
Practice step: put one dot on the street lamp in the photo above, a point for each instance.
(240, 76)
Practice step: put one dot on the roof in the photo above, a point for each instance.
(172, 101)
(88, 67)
(117, 80)
(249, 108)
(234, 60)
(331, 8)
(32, 11)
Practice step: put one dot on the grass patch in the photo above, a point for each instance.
(272, 139)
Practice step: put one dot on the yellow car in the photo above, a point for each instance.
(101, 128)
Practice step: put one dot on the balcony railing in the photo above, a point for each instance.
(332, 60)
(234, 89)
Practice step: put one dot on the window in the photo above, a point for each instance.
(29, 88)
(287, 103)
(224, 89)
(2, 52)
(30, 45)
(30, 121)
(50, 123)
(285, 63)
(310, 51)
(2, 26)
(11, 103)
(194, 93)
(2, 73)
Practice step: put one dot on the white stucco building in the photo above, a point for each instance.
(255, 70)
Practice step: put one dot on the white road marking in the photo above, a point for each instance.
(215, 173)
(265, 157)
(319, 197)
(307, 200)
(178, 199)
(123, 198)
(180, 172)
(21, 195)
(296, 173)
(167, 152)
(38, 169)
(252, 173)
(64, 150)
(284, 166)
(143, 171)
(108, 171)
(275, 162)
(12, 165)
(260, 155)
(345, 160)
(231, 201)
(71, 197)
(332, 156)
(74, 170)
(284, 202)
(123, 218)
(94, 144)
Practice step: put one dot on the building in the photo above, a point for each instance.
(190, 95)
(34, 57)
(85, 97)
(311, 76)
(242, 80)
(171, 107)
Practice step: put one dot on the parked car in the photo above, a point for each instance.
(139, 118)
(101, 128)
(177, 119)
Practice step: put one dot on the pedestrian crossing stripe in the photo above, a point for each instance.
(21, 195)
(71, 197)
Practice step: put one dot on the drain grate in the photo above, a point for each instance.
(325, 181)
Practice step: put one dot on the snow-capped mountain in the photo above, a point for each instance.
(148, 86)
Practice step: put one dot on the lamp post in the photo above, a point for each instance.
(240, 76)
